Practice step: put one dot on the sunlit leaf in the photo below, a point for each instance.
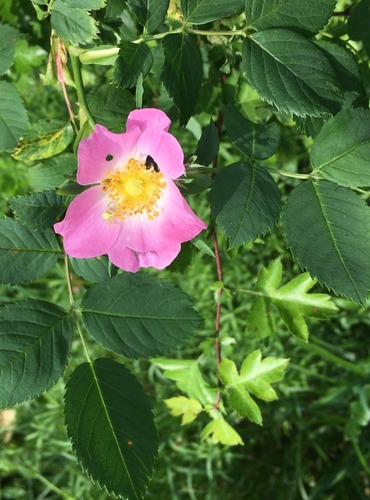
(291, 72)
(8, 37)
(44, 139)
(187, 408)
(341, 151)
(72, 25)
(204, 11)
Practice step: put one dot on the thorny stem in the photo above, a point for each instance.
(220, 291)
(77, 76)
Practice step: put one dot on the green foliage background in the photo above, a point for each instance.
(315, 440)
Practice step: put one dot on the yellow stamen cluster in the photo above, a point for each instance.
(133, 190)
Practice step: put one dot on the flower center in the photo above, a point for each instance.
(134, 190)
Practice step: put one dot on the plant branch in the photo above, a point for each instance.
(220, 291)
(77, 76)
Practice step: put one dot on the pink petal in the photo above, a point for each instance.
(85, 232)
(143, 118)
(124, 258)
(164, 149)
(94, 153)
(176, 223)
(130, 260)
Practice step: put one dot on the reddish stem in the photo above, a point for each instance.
(220, 291)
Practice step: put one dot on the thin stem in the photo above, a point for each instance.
(29, 472)
(72, 302)
(69, 284)
(361, 457)
(77, 76)
(215, 33)
(220, 291)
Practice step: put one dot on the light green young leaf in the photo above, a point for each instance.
(292, 301)
(221, 432)
(35, 342)
(137, 315)
(188, 408)
(188, 378)
(25, 254)
(44, 139)
(110, 423)
(341, 151)
(13, 116)
(291, 72)
(256, 376)
(86, 4)
(331, 236)
(245, 202)
(309, 17)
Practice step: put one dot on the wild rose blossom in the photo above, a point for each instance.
(134, 212)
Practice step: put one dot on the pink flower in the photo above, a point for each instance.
(134, 212)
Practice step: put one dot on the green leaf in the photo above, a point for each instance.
(308, 17)
(358, 23)
(110, 423)
(110, 106)
(204, 11)
(53, 172)
(86, 4)
(341, 151)
(44, 139)
(256, 377)
(182, 72)
(13, 116)
(347, 73)
(138, 316)
(74, 26)
(245, 202)
(25, 254)
(221, 432)
(133, 59)
(149, 13)
(292, 301)
(291, 72)
(189, 409)
(255, 141)
(35, 342)
(330, 238)
(8, 37)
(97, 269)
(189, 379)
(39, 210)
(208, 145)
